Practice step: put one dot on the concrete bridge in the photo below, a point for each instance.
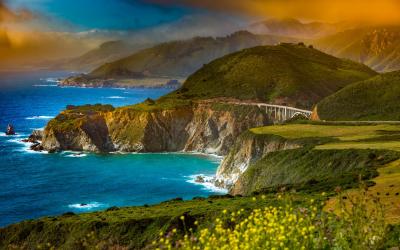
(278, 113)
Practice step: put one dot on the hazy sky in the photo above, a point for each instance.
(103, 14)
(34, 30)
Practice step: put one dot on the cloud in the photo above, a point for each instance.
(12, 16)
(371, 11)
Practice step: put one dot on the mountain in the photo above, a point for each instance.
(377, 47)
(176, 59)
(182, 58)
(294, 28)
(106, 52)
(375, 99)
(197, 117)
(287, 74)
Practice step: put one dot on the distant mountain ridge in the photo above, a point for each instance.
(176, 59)
(294, 28)
(377, 47)
(106, 52)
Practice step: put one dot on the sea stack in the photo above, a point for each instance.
(10, 130)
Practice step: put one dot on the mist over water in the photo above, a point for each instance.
(38, 184)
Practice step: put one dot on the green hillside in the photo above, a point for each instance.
(377, 47)
(286, 74)
(181, 58)
(373, 99)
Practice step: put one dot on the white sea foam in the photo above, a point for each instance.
(208, 183)
(115, 97)
(52, 80)
(45, 85)
(87, 206)
(76, 155)
(12, 136)
(39, 117)
(26, 147)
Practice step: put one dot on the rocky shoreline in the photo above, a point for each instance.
(207, 128)
(86, 81)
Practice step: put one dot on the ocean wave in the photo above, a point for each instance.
(76, 155)
(12, 136)
(39, 117)
(86, 206)
(115, 97)
(208, 183)
(26, 147)
(52, 80)
(44, 85)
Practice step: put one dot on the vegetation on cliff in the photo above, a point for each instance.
(331, 156)
(289, 74)
(375, 99)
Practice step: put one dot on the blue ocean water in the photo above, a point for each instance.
(36, 184)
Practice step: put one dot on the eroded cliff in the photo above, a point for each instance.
(201, 127)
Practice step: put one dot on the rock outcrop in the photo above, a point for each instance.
(10, 130)
(201, 127)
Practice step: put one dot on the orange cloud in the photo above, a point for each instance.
(367, 11)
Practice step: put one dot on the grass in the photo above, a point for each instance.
(291, 74)
(376, 99)
(132, 227)
(290, 226)
(384, 136)
(309, 170)
(386, 188)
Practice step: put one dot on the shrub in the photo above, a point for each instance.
(356, 225)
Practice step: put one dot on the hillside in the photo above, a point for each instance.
(325, 159)
(373, 99)
(377, 47)
(286, 74)
(181, 58)
(106, 52)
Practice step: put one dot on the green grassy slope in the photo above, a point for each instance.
(120, 228)
(377, 47)
(180, 58)
(373, 99)
(332, 155)
(285, 74)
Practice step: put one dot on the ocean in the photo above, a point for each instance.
(34, 184)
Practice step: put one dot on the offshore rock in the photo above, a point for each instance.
(10, 130)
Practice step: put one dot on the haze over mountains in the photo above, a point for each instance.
(377, 47)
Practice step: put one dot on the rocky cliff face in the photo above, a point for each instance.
(248, 149)
(209, 128)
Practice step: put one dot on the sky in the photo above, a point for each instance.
(40, 30)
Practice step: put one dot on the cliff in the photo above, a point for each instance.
(306, 157)
(201, 127)
(248, 149)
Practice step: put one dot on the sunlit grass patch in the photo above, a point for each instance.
(386, 189)
(381, 136)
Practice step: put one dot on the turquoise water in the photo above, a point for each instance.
(38, 184)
